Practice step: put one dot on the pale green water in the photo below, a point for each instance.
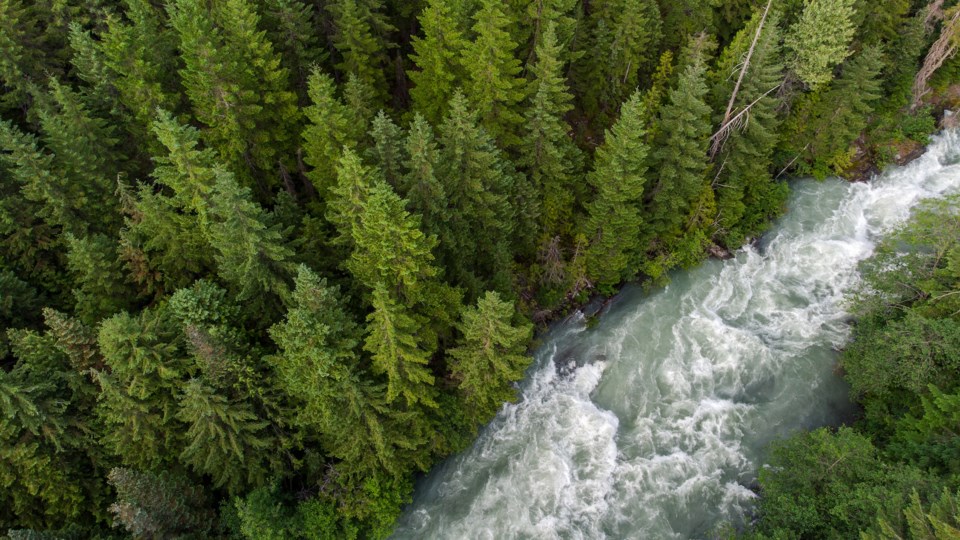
(653, 423)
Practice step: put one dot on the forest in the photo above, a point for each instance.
(264, 262)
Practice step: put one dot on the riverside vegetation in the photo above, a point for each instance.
(262, 262)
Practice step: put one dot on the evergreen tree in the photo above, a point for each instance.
(437, 55)
(480, 220)
(387, 150)
(101, 288)
(624, 41)
(328, 131)
(747, 196)
(32, 49)
(292, 28)
(490, 356)
(495, 87)
(359, 38)
(614, 221)
(158, 505)
(534, 19)
(681, 205)
(547, 152)
(349, 197)
(820, 39)
(138, 390)
(236, 85)
(420, 186)
(224, 439)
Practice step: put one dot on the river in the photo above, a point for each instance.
(654, 422)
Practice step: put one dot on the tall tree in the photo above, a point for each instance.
(624, 41)
(438, 56)
(420, 185)
(329, 129)
(495, 87)
(547, 151)
(747, 196)
(680, 206)
(292, 28)
(614, 221)
(820, 39)
(237, 88)
(490, 356)
(360, 40)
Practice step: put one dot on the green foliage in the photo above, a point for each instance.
(820, 39)
(328, 131)
(158, 505)
(489, 356)
(437, 55)
(359, 38)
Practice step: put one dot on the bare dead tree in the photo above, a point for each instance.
(717, 143)
(551, 255)
(934, 15)
(942, 50)
(736, 123)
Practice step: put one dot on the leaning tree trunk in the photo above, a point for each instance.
(942, 50)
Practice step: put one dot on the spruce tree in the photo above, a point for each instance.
(820, 39)
(236, 86)
(329, 129)
(681, 201)
(420, 186)
(348, 198)
(438, 56)
(547, 152)
(158, 505)
(223, 439)
(613, 225)
(747, 195)
(292, 29)
(478, 183)
(495, 87)
(490, 356)
(624, 40)
(101, 288)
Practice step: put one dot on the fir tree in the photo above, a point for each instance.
(547, 152)
(478, 183)
(348, 198)
(437, 55)
(495, 88)
(236, 85)
(624, 40)
(676, 214)
(614, 221)
(387, 150)
(224, 439)
(747, 196)
(328, 131)
(359, 40)
(420, 186)
(292, 29)
(101, 288)
(490, 356)
(158, 505)
(820, 39)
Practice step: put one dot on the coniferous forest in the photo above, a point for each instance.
(264, 261)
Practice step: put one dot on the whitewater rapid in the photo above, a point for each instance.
(653, 423)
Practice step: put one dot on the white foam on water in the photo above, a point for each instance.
(655, 423)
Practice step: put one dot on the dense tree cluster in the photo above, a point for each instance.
(263, 261)
(894, 475)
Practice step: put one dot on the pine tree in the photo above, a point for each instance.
(495, 87)
(392, 342)
(614, 221)
(747, 196)
(349, 197)
(420, 186)
(437, 55)
(32, 49)
(681, 163)
(490, 356)
(624, 41)
(236, 85)
(820, 39)
(478, 184)
(224, 439)
(547, 152)
(73, 338)
(138, 390)
(387, 150)
(536, 16)
(292, 29)
(359, 39)
(158, 505)
(328, 131)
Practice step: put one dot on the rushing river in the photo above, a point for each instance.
(653, 423)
